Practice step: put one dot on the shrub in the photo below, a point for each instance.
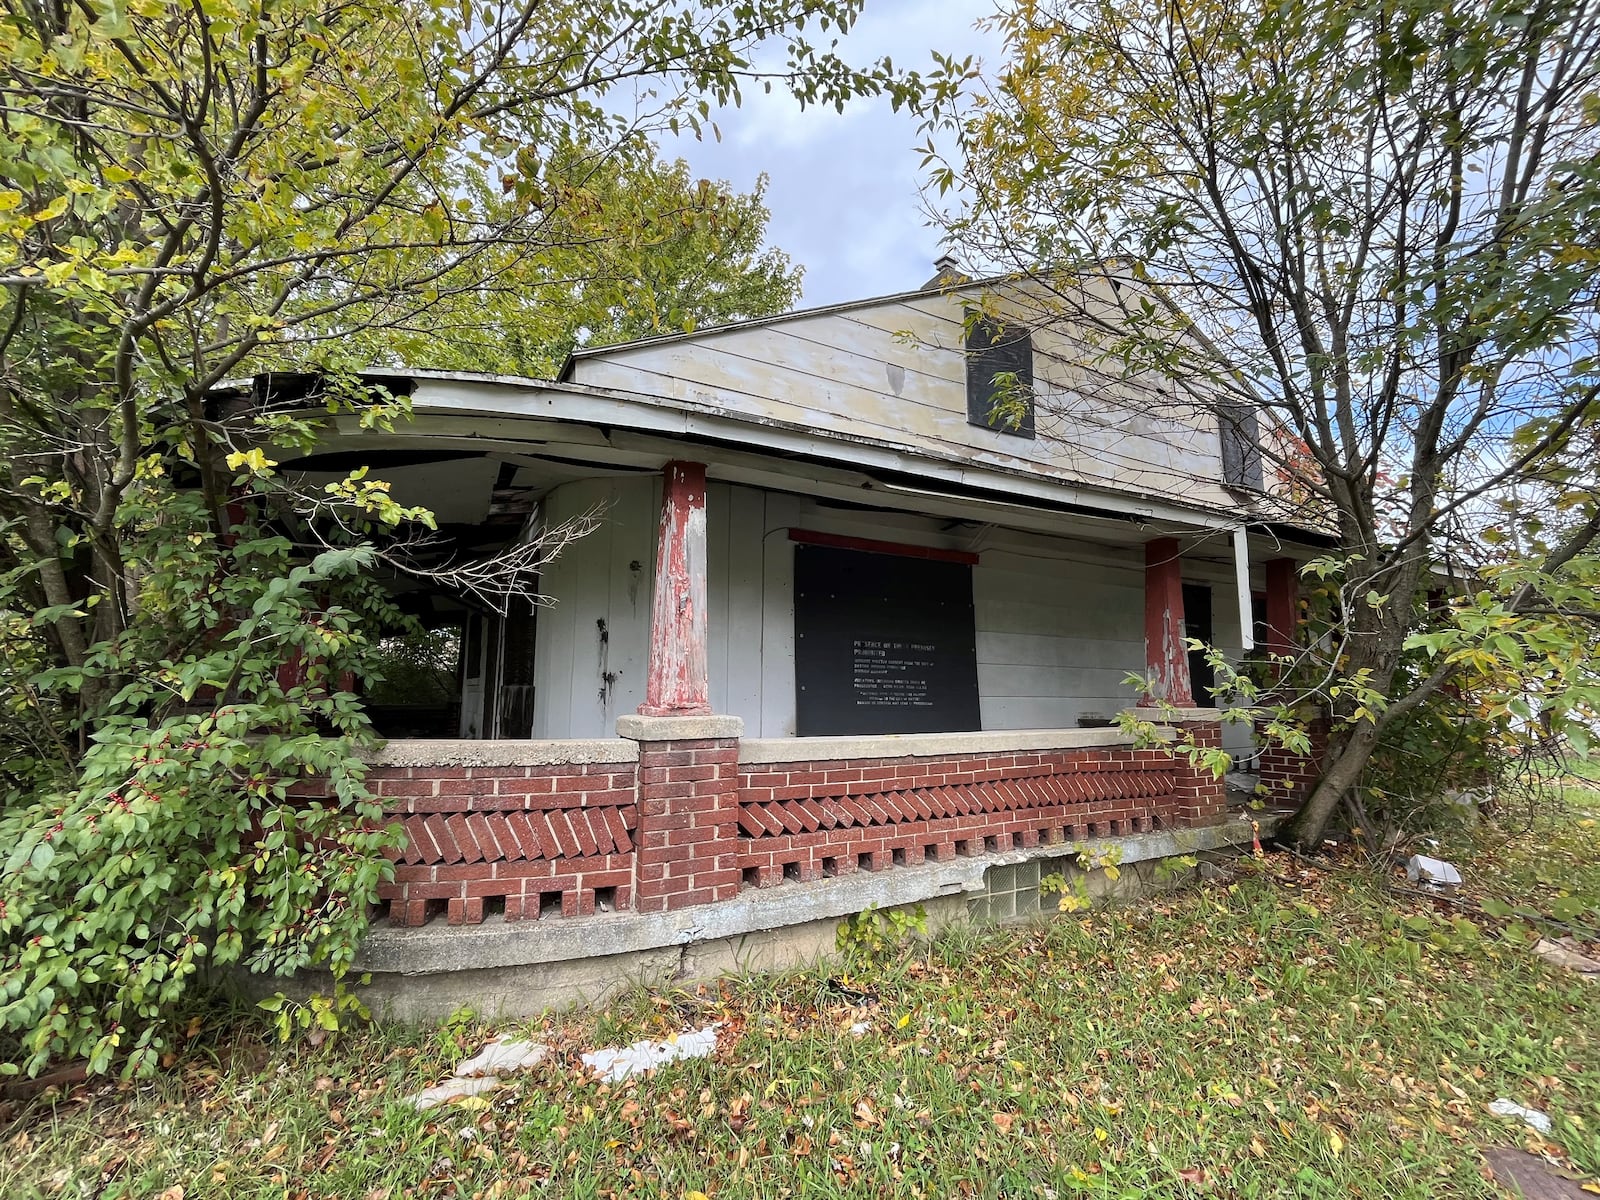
(174, 844)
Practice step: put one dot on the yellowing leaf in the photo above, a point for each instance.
(1335, 1142)
(254, 459)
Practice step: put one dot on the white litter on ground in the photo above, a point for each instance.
(502, 1057)
(1564, 952)
(452, 1089)
(1531, 1116)
(481, 1072)
(1422, 869)
(859, 1028)
(613, 1065)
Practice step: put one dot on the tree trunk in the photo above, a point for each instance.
(1304, 831)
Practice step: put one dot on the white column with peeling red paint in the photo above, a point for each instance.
(1166, 657)
(677, 684)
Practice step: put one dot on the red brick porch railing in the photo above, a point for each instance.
(669, 820)
(1289, 777)
(529, 829)
(809, 819)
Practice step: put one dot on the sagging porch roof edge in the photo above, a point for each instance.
(898, 467)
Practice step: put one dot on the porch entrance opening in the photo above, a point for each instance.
(1197, 623)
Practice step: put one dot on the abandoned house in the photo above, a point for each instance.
(863, 593)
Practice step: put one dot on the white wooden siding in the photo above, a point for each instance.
(1059, 624)
(896, 372)
(594, 580)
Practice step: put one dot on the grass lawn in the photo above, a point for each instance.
(1297, 1032)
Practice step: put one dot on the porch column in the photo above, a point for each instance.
(1288, 777)
(686, 843)
(676, 683)
(686, 847)
(1282, 603)
(1166, 658)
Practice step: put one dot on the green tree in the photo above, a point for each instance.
(1376, 221)
(650, 251)
(194, 192)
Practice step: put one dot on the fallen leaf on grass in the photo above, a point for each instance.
(1002, 1121)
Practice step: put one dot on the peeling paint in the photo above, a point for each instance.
(676, 682)
(1166, 656)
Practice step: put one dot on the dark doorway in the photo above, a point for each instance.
(419, 694)
(1197, 624)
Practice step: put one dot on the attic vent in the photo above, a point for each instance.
(999, 376)
(1241, 446)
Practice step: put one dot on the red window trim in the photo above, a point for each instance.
(812, 537)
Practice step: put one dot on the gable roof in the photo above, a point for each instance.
(564, 374)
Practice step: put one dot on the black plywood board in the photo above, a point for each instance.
(883, 644)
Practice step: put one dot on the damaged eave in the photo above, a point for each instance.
(523, 400)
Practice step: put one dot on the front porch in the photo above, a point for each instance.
(910, 684)
(507, 967)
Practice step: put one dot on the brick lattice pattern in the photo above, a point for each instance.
(689, 825)
(526, 841)
(807, 820)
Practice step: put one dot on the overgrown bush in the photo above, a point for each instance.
(169, 844)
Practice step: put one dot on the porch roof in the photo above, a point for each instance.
(574, 428)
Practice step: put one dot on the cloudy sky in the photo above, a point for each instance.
(843, 189)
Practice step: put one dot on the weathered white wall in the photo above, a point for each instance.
(1056, 635)
(895, 372)
(605, 576)
(1059, 623)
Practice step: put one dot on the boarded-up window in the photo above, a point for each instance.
(883, 644)
(999, 376)
(1241, 447)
